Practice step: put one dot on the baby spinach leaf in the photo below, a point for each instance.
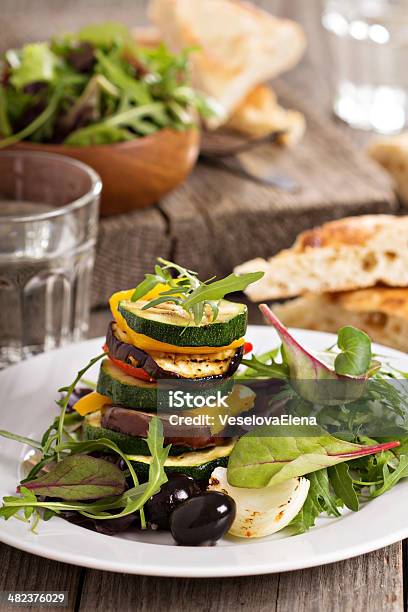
(355, 356)
(269, 455)
(342, 484)
(79, 477)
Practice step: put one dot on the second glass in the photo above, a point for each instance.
(48, 226)
(369, 44)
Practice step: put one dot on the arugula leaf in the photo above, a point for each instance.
(342, 484)
(21, 439)
(319, 499)
(68, 391)
(218, 289)
(391, 478)
(267, 370)
(137, 91)
(79, 478)
(36, 124)
(269, 455)
(329, 503)
(36, 64)
(98, 133)
(355, 357)
(188, 291)
(127, 503)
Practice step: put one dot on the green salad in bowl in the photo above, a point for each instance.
(96, 86)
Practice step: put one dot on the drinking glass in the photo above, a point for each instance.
(369, 45)
(48, 226)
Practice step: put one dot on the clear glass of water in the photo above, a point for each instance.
(369, 45)
(48, 225)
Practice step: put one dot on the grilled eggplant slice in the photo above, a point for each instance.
(205, 367)
(125, 390)
(134, 424)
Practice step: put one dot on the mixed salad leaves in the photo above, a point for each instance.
(275, 476)
(95, 87)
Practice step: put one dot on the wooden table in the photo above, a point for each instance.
(373, 582)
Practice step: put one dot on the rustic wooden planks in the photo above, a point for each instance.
(23, 572)
(361, 584)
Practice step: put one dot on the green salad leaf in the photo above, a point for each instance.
(320, 499)
(343, 486)
(355, 357)
(269, 455)
(36, 63)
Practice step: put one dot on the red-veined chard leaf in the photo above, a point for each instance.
(79, 477)
(268, 455)
(310, 377)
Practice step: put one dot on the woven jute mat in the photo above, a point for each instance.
(217, 220)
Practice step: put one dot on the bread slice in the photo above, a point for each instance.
(381, 312)
(351, 253)
(392, 154)
(259, 114)
(238, 45)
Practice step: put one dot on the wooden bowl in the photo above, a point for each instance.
(137, 173)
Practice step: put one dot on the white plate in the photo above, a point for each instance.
(27, 394)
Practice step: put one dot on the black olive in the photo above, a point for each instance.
(202, 520)
(175, 491)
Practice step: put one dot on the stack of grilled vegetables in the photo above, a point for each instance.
(166, 335)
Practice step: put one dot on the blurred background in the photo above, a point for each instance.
(20, 22)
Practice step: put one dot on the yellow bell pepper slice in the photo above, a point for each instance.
(91, 403)
(150, 344)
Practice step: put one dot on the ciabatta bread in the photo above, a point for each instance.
(381, 312)
(238, 45)
(351, 253)
(259, 114)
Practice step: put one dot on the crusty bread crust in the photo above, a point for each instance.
(238, 45)
(379, 311)
(259, 114)
(351, 253)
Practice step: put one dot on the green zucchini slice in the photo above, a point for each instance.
(130, 392)
(198, 464)
(126, 390)
(168, 323)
